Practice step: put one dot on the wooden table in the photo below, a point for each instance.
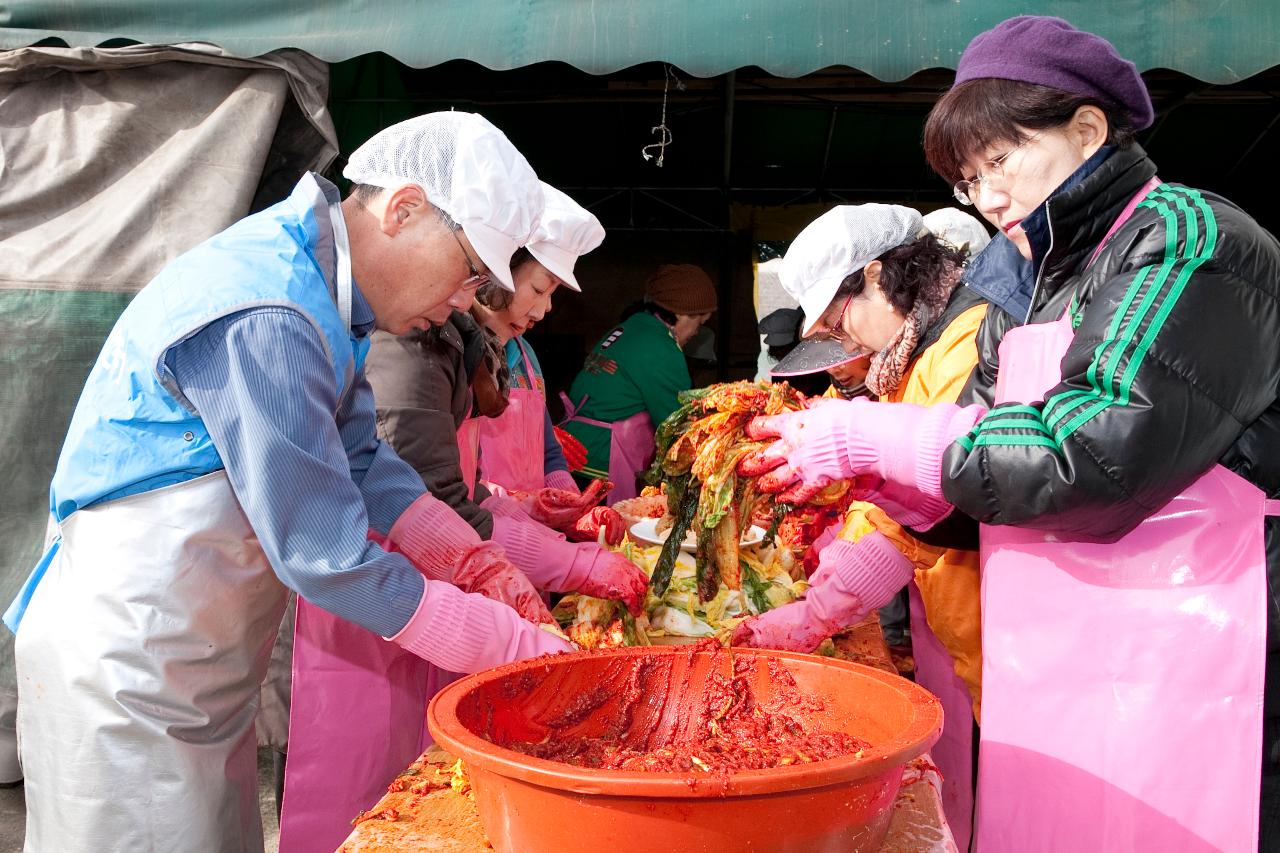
(431, 815)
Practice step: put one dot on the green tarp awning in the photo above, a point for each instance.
(1221, 42)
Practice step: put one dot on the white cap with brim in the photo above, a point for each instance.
(467, 168)
(837, 244)
(814, 357)
(960, 230)
(566, 232)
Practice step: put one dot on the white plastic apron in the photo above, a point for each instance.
(1122, 682)
(631, 448)
(153, 622)
(512, 449)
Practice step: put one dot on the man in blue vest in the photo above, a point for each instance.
(223, 450)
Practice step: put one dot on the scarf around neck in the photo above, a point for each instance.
(889, 365)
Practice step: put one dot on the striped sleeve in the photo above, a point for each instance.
(264, 388)
(1155, 387)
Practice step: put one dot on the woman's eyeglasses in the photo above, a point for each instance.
(966, 192)
(833, 330)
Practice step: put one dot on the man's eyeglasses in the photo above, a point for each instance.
(476, 278)
(966, 192)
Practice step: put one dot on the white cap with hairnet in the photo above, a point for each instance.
(837, 244)
(467, 168)
(958, 229)
(566, 231)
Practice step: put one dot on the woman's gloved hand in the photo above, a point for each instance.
(464, 632)
(560, 509)
(839, 439)
(563, 481)
(555, 564)
(487, 570)
(903, 504)
(600, 519)
(854, 578)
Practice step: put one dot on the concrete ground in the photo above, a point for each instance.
(13, 818)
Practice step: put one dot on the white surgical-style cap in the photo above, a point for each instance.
(838, 243)
(960, 230)
(467, 168)
(566, 232)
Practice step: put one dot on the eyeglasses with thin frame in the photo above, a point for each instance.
(476, 278)
(966, 192)
(833, 331)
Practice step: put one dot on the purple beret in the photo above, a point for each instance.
(1050, 52)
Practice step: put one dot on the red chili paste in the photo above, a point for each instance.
(734, 731)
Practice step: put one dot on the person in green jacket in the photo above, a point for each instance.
(633, 376)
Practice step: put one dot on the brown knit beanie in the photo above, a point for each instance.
(682, 289)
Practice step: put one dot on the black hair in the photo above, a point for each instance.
(494, 296)
(905, 269)
(979, 113)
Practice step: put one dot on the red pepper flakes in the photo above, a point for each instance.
(385, 814)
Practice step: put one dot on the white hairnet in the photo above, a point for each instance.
(467, 168)
(838, 243)
(960, 230)
(566, 231)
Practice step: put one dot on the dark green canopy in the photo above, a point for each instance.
(1222, 42)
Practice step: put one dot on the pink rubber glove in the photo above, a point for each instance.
(444, 547)
(901, 503)
(555, 564)
(562, 480)
(857, 577)
(599, 520)
(487, 570)
(434, 537)
(839, 439)
(464, 632)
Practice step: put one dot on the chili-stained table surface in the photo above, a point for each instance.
(422, 811)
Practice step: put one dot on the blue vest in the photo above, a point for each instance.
(133, 430)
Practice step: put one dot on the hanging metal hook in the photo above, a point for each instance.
(664, 132)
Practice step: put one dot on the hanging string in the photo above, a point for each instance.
(664, 132)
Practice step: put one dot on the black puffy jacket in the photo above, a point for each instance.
(1175, 367)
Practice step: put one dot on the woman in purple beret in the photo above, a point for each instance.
(1119, 444)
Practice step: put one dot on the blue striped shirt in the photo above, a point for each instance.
(308, 469)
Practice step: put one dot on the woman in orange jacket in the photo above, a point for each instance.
(919, 324)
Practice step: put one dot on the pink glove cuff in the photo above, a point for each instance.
(902, 503)
(464, 632)
(501, 506)
(433, 537)
(561, 480)
(438, 630)
(546, 557)
(920, 466)
(871, 569)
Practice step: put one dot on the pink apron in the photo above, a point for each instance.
(512, 444)
(631, 448)
(357, 719)
(953, 753)
(1122, 682)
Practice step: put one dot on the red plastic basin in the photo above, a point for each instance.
(530, 805)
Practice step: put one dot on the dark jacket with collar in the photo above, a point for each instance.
(1175, 367)
(422, 392)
